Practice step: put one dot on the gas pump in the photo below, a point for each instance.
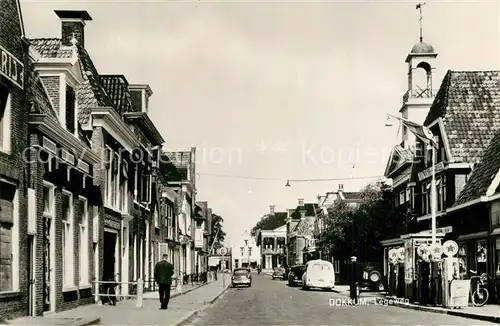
(451, 271)
(393, 271)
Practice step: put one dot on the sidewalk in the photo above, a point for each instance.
(489, 312)
(180, 309)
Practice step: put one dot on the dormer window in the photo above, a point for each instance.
(70, 113)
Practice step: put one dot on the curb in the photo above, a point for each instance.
(76, 322)
(445, 311)
(183, 292)
(189, 317)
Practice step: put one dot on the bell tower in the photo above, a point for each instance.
(418, 99)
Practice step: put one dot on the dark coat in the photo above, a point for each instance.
(354, 273)
(163, 272)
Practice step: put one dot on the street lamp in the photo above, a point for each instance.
(424, 134)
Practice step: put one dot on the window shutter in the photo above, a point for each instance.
(70, 109)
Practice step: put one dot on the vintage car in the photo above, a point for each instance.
(279, 273)
(241, 277)
(295, 275)
(318, 274)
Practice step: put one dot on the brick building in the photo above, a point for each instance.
(62, 190)
(15, 243)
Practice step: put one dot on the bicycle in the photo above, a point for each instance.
(480, 294)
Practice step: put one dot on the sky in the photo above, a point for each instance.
(274, 90)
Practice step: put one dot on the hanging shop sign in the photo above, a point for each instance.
(11, 68)
(436, 251)
(450, 248)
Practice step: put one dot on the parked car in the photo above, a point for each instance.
(279, 273)
(372, 278)
(318, 274)
(295, 275)
(241, 276)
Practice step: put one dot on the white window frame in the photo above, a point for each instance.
(84, 243)
(5, 143)
(68, 250)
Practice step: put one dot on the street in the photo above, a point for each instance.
(270, 302)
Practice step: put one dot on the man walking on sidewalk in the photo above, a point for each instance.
(163, 276)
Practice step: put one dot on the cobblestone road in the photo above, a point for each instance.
(270, 302)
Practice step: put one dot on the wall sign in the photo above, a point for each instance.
(112, 223)
(11, 68)
(428, 172)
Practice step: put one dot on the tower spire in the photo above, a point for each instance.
(419, 7)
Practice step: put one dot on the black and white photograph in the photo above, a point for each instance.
(249, 162)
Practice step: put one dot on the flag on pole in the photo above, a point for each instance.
(421, 132)
(418, 6)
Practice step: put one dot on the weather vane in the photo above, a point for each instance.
(419, 7)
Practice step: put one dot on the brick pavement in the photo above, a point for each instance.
(270, 302)
(180, 309)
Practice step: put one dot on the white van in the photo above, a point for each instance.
(319, 274)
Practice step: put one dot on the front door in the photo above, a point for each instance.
(48, 305)
(109, 258)
(31, 275)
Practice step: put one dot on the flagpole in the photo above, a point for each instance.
(433, 196)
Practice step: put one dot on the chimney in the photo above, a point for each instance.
(73, 25)
(302, 214)
(341, 187)
(301, 202)
(271, 209)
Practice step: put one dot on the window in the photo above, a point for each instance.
(426, 197)
(462, 261)
(5, 109)
(442, 192)
(249, 251)
(67, 240)
(246, 243)
(84, 241)
(124, 187)
(402, 197)
(70, 109)
(481, 256)
(242, 251)
(8, 243)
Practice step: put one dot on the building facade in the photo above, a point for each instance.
(245, 252)
(272, 245)
(18, 235)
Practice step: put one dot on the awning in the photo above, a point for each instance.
(471, 236)
(391, 242)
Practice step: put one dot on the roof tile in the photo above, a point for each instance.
(469, 103)
(483, 174)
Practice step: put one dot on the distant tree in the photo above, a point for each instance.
(359, 229)
(217, 225)
(268, 222)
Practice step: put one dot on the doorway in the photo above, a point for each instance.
(31, 276)
(48, 266)
(109, 258)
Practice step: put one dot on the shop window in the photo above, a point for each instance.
(497, 256)
(5, 109)
(462, 261)
(481, 256)
(67, 240)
